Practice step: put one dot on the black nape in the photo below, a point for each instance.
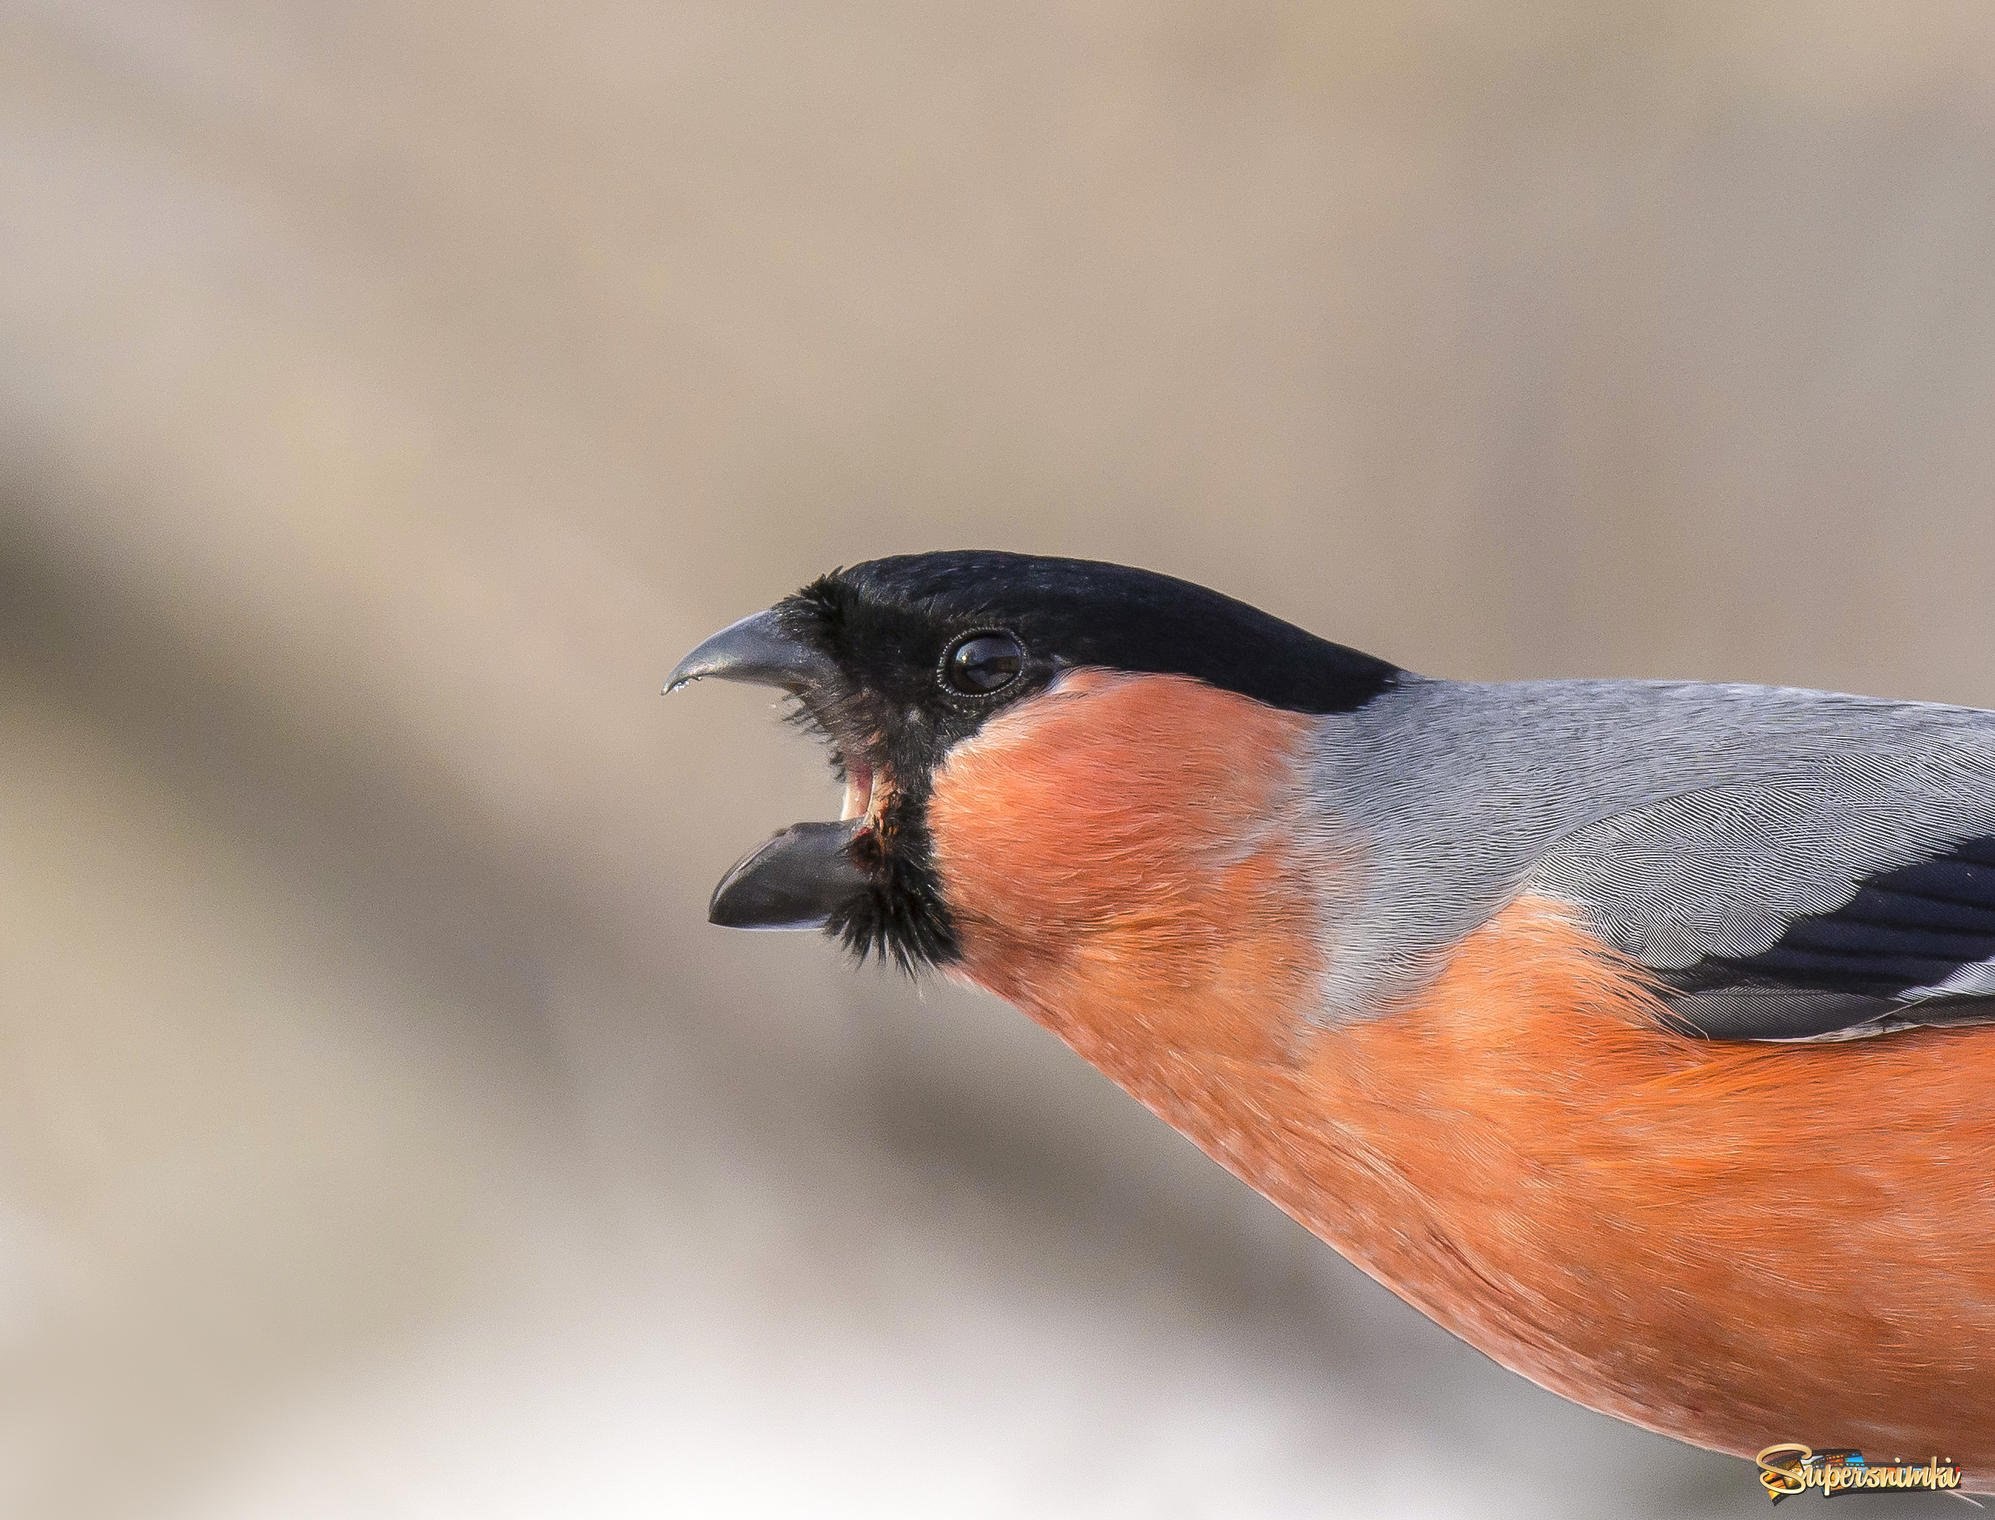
(1085, 612)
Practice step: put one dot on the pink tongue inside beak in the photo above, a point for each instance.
(858, 789)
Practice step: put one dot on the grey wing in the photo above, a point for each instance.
(1851, 896)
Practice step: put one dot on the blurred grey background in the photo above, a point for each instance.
(390, 393)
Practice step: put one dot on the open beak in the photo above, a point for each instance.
(808, 872)
(758, 650)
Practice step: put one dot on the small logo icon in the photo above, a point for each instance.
(1789, 1468)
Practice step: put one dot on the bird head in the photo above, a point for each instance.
(1031, 748)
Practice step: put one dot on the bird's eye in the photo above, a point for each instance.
(980, 663)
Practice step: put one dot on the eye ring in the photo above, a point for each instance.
(982, 663)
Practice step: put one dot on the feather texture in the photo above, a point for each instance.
(1792, 864)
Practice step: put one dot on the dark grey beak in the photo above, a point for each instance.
(757, 650)
(797, 880)
(803, 876)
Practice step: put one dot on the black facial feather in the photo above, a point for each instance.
(902, 916)
(888, 625)
(1073, 612)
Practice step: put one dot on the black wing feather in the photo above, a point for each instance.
(1866, 966)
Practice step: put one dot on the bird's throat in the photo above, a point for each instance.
(1121, 857)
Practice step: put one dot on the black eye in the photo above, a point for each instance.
(980, 663)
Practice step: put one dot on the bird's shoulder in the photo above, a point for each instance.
(1791, 864)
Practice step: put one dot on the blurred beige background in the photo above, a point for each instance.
(388, 394)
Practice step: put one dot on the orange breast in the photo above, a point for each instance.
(1733, 1244)
(1123, 839)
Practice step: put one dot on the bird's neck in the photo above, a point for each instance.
(1123, 858)
(1136, 863)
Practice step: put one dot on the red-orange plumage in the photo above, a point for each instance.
(1735, 1244)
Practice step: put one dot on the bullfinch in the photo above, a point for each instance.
(1635, 1031)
